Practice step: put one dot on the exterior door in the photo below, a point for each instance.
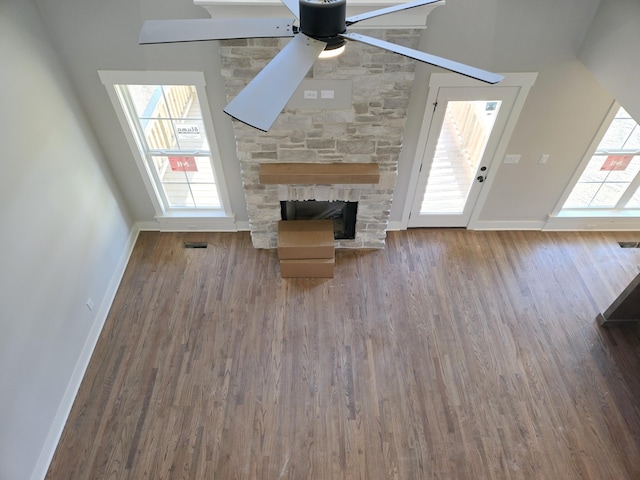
(466, 127)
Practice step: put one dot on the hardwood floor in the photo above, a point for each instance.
(449, 355)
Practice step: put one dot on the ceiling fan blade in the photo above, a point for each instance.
(384, 11)
(262, 100)
(198, 29)
(293, 6)
(447, 64)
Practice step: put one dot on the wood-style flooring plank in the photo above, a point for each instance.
(451, 354)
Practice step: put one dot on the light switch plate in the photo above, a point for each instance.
(512, 159)
(327, 94)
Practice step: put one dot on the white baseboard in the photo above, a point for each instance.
(60, 419)
(394, 225)
(197, 224)
(592, 223)
(507, 225)
(193, 224)
(150, 226)
(243, 226)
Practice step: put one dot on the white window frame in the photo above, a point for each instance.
(173, 218)
(593, 218)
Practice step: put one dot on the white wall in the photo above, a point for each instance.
(610, 51)
(103, 35)
(503, 35)
(562, 113)
(65, 237)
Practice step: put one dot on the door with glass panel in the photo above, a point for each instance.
(465, 130)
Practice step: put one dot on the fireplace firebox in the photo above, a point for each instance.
(343, 215)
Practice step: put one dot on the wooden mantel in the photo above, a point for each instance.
(319, 173)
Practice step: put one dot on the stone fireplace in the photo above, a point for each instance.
(342, 214)
(366, 129)
(365, 126)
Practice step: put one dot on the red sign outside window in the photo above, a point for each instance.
(183, 164)
(616, 162)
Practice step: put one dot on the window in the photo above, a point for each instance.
(168, 119)
(167, 123)
(610, 180)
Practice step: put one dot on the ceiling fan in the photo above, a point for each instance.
(323, 27)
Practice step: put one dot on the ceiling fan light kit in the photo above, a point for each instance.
(322, 33)
(333, 52)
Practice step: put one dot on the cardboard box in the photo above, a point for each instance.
(307, 268)
(305, 239)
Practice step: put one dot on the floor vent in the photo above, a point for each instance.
(629, 244)
(195, 244)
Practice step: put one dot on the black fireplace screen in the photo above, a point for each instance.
(343, 215)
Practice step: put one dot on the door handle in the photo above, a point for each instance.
(482, 178)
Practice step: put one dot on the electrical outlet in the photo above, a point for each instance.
(543, 159)
(512, 159)
(311, 94)
(327, 94)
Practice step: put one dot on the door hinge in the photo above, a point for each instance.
(435, 104)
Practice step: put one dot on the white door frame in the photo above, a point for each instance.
(505, 97)
(437, 80)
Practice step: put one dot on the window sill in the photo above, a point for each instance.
(209, 221)
(597, 213)
(604, 220)
(191, 213)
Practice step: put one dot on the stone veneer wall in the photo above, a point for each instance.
(368, 130)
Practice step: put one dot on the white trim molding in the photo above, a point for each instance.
(602, 222)
(521, 80)
(394, 225)
(412, 18)
(507, 225)
(173, 219)
(602, 130)
(64, 409)
(197, 224)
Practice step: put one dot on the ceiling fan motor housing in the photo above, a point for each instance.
(324, 20)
